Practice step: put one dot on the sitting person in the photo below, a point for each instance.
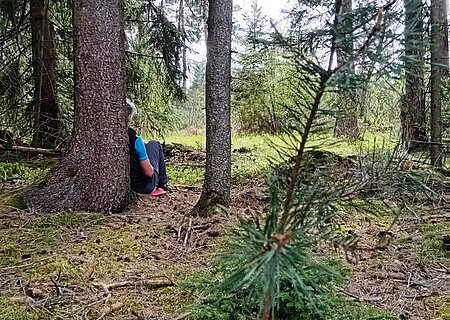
(147, 165)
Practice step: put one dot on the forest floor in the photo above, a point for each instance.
(133, 265)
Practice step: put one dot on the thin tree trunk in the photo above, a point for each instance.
(267, 306)
(346, 125)
(181, 27)
(46, 109)
(93, 175)
(413, 109)
(216, 187)
(439, 70)
(205, 19)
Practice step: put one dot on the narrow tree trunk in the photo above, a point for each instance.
(413, 108)
(216, 187)
(346, 124)
(439, 70)
(46, 109)
(181, 27)
(93, 175)
(205, 4)
(346, 127)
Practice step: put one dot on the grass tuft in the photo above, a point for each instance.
(432, 249)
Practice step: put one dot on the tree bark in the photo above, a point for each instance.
(346, 124)
(93, 174)
(413, 109)
(46, 109)
(216, 187)
(439, 70)
(346, 127)
(205, 4)
(181, 27)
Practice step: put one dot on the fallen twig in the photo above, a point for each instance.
(137, 315)
(202, 226)
(5, 282)
(25, 265)
(108, 309)
(351, 295)
(58, 289)
(423, 296)
(182, 316)
(434, 218)
(359, 299)
(203, 247)
(52, 152)
(152, 284)
(180, 228)
(186, 237)
(444, 267)
(169, 278)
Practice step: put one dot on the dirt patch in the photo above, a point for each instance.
(396, 277)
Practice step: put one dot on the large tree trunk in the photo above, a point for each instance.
(46, 109)
(216, 187)
(346, 124)
(93, 174)
(413, 108)
(439, 70)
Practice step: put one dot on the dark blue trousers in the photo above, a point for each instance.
(156, 156)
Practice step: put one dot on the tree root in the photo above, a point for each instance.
(209, 204)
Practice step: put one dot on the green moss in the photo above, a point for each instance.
(345, 309)
(9, 243)
(25, 171)
(258, 150)
(69, 220)
(14, 200)
(10, 310)
(260, 142)
(115, 250)
(42, 235)
(432, 249)
(442, 306)
(71, 271)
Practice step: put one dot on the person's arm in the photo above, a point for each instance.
(147, 168)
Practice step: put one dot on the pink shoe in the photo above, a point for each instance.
(158, 192)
